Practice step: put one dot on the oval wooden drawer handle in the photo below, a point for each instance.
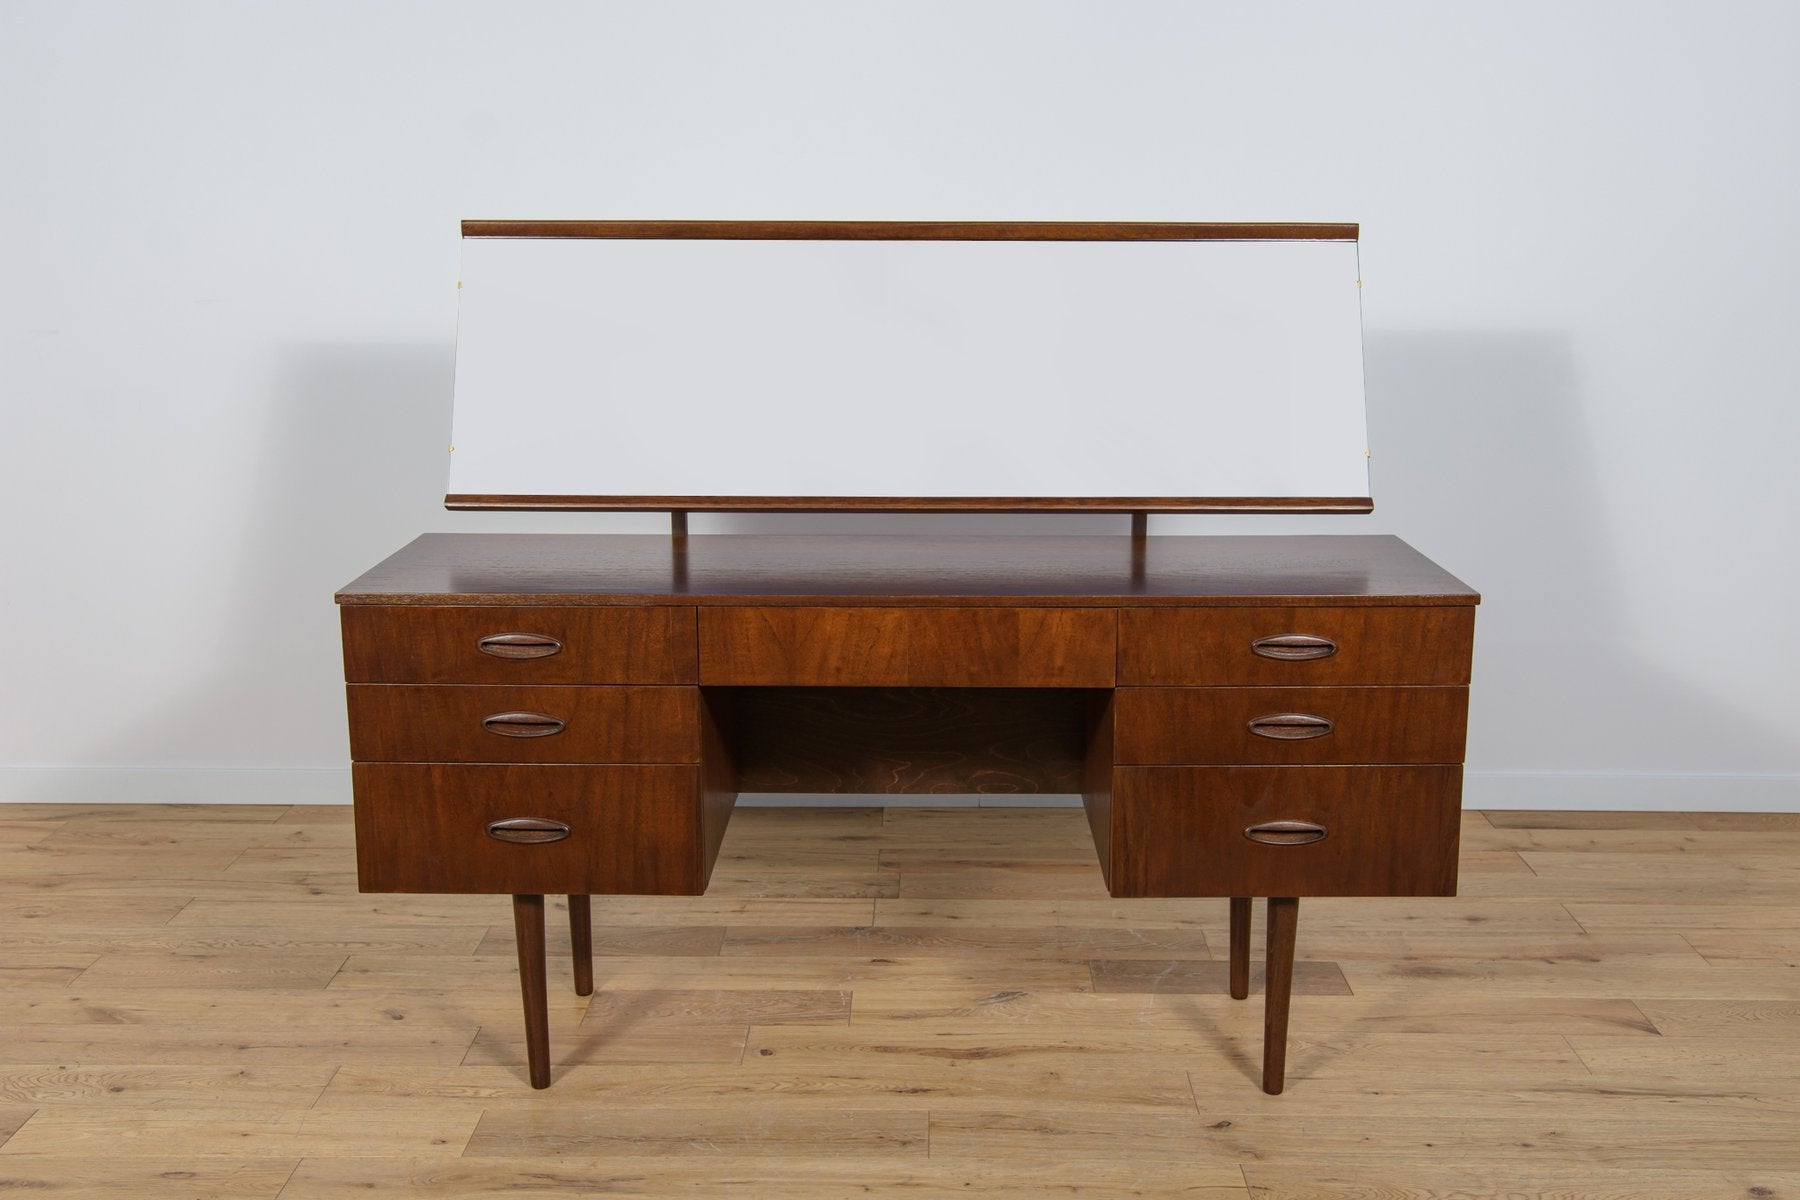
(1285, 833)
(524, 724)
(1291, 727)
(1294, 647)
(519, 645)
(527, 831)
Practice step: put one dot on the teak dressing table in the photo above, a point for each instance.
(1243, 716)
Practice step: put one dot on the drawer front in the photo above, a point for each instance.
(908, 647)
(632, 830)
(398, 722)
(1242, 647)
(427, 644)
(1388, 831)
(1230, 726)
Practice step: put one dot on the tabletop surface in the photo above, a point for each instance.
(850, 569)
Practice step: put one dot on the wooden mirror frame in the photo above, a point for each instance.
(1049, 231)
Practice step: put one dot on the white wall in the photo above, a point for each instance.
(227, 306)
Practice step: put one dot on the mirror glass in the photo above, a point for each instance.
(633, 369)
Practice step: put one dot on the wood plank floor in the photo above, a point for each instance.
(196, 1002)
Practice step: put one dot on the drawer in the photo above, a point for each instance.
(400, 722)
(430, 644)
(1182, 831)
(907, 647)
(1296, 646)
(631, 829)
(1229, 726)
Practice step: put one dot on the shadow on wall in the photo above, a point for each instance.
(1486, 462)
(351, 468)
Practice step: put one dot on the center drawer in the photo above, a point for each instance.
(908, 647)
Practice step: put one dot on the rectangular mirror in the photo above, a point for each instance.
(808, 366)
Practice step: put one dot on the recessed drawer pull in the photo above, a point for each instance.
(525, 724)
(519, 645)
(527, 831)
(1285, 833)
(1287, 727)
(1294, 647)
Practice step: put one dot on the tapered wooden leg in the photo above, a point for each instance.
(1240, 947)
(581, 943)
(528, 924)
(1284, 919)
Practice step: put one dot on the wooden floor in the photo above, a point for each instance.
(922, 1003)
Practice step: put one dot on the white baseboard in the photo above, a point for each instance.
(174, 785)
(1618, 792)
(1635, 792)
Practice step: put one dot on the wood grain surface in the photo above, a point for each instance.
(1209, 646)
(497, 502)
(423, 828)
(417, 644)
(439, 723)
(930, 1042)
(1037, 231)
(954, 571)
(1181, 831)
(1212, 726)
(907, 647)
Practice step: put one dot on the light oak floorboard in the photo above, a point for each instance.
(151, 837)
(62, 913)
(802, 1176)
(620, 1042)
(49, 967)
(1413, 1179)
(25, 833)
(922, 1086)
(248, 1045)
(952, 1009)
(1562, 819)
(938, 940)
(138, 814)
(459, 1008)
(184, 1085)
(246, 939)
(197, 1002)
(613, 1007)
(613, 940)
(247, 969)
(234, 1133)
(750, 880)
(1733, 947)
(703, 1132)
(1209, 978)
(13, 1115)
(117, 1177)
(1777, 1020)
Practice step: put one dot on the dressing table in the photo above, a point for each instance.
(1243, 717)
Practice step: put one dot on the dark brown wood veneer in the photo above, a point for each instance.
(1243, 717)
